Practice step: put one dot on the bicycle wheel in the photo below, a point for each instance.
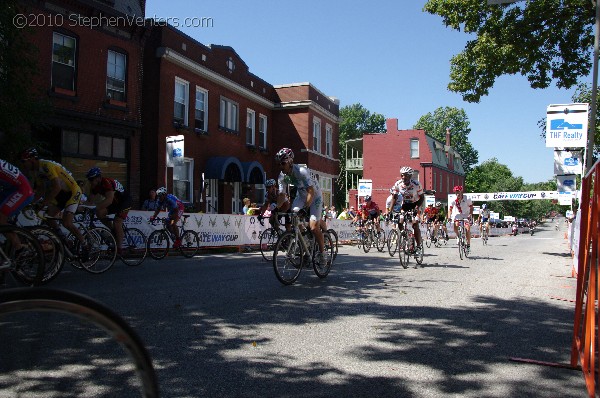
(54, 251)
(460, 243)
(419, 254)
(102, 252)
(287, 258)
(367, 241)
(158, 244)
(322, 270)
(190, 243)
(268, 240)
(27, 263)
(428, 237)
(334, 239)
(34, 329)
(392, 242)
(380, 240)
(134, 247)
(403, 250)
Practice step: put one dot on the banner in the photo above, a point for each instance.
(365, 187)
(174, 150)
(566, 183)
(567, 125)
(567, 162)
(491, 196)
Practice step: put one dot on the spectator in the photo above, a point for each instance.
(344, 214)
(253, 210)
(151, 203)
(246, 207)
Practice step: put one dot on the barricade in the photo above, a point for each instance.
(585, 335)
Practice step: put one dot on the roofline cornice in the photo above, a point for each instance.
(308, 104)
(173, 56)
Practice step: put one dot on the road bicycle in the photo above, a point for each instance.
(372, 237)
(407, 244)
(441, 236)
(484, 233)
(64, 331)
(27, 263)
(394, 235)
(269, 237)
(97, 256)
(463, 250)
(429, 239)
(297, 248)
(160, 240)
(357, 235)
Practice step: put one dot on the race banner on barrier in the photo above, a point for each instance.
(491, 196)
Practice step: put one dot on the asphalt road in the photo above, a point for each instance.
(223, 326)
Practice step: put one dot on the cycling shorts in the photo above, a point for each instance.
(120, 209)
(314, 209)
(432, 219)
(67, 200)
(176, 213)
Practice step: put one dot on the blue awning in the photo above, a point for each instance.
(217, 166)
(248, 168)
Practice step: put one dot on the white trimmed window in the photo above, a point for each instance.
(262, 131)
(328, 140)
(182, 180)
(250, 126)
(180, 112)
(115, 75)
(414, 148)
(201, 113)
(63, 61)
(228, 114)
(316, 134)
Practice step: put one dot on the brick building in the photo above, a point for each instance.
(231, 124)
(379, 157)
(92, 77)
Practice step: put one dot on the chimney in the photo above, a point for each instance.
(447, 136)
(448, 152)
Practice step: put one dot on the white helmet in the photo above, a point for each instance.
(484, 206)
(406, 170)
(161, 191)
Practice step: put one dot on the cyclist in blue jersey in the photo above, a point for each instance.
(174, 207)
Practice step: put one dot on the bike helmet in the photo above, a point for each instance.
(438, 204)
(458, 188)
(29, 153)
(284, 155)
(161, 191)
(484, 206)
(407, 170)
(367, 198)
(269, 183)
(93, 173)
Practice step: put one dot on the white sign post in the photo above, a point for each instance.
(566, 125)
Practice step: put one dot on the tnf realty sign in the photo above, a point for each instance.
(566, 125)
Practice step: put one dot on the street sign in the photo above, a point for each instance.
(567, 162)
(566, 125)
(365, 187)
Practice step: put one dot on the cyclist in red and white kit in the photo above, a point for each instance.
(413, 196)
(15, 193)
(371, 209)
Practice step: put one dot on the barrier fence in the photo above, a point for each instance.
(585, 334)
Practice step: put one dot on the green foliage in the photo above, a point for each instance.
(355, 120)
(435, 125)
(19, 103)
(544, 40)
(492, 176)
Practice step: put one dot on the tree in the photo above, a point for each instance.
(355, 120)
(435, 125)
(544, 40)
(19, 103)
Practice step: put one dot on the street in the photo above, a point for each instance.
(222, 326)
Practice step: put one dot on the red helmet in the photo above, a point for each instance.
(458, 188)
(29, 153)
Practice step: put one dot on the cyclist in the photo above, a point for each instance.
(484, 218)
(271, 204)
(430, 216)
(15, 193)
(174, 206)
(413, 197)
(461, 209)
(308, 193)
(59, 190)
(116, 201)
(371, 210)
(393, 203)
(441, 219)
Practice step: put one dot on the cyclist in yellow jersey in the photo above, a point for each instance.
(57, 186)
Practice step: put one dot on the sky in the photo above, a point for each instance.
(388, 55)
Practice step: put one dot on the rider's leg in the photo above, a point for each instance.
(468, 229)
(417, 232)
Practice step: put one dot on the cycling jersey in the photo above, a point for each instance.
(410, 192)
(121, 200)
(68, 198)
(300, 178)
(461, 209)
(15, 190)
(394, 205)
(172, 205)
(371, 209)
(431, 213)
(485, 215)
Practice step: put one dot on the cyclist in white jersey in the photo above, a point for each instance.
(308, 193)
(484, 218)
(413, 197)
(461, 209)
